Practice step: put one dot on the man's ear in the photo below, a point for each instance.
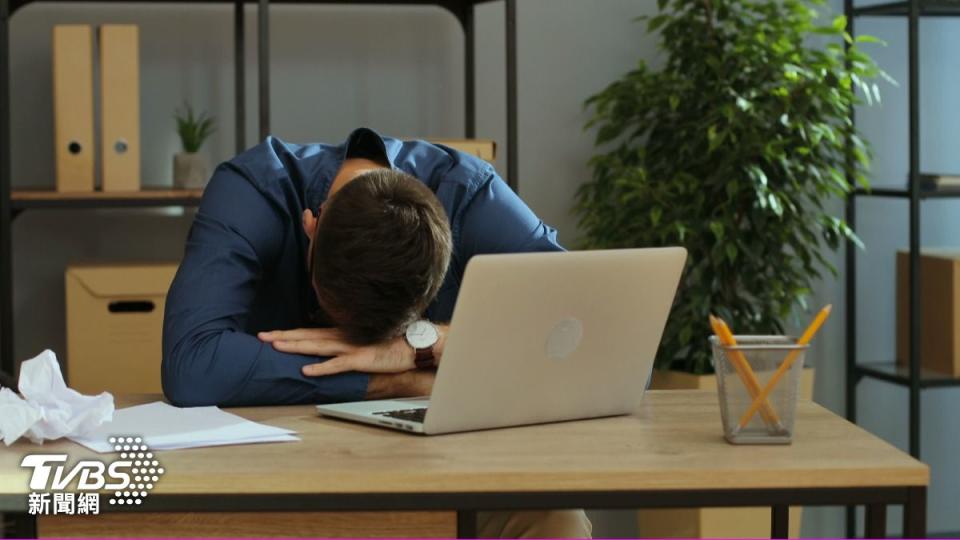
(309, 223)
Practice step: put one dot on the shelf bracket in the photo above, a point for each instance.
(239, 76)
(512, 129)
(263, 59)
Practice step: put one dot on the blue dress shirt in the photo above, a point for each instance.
(244, 268)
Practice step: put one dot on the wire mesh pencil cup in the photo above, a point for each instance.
(743, 372)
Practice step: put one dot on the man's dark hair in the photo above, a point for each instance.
(380, 254)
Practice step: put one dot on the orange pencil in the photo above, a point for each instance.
(785, 366)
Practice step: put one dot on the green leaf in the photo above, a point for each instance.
(681, 231)
(655, 213)
(193, 129)
(757, 174)
(656, 22)
(714, 139)
(717, 229)
(731, 252)
(839, 22)
(686, 333)
(864, 38)
(732, 188)
(775, 205)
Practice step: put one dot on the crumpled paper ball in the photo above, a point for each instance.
(48, 409)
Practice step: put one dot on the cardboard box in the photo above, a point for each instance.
(114, 324)
(482, 148)
(939, 310)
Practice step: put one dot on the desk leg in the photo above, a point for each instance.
(466, 524)
(780, 521)
(915, 513)
(876, 521)
(851, 521)
(18, 525)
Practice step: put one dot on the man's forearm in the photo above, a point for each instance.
(391, 365)
(234, 369)
(413, 383)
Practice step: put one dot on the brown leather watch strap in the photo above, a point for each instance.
(424, 358)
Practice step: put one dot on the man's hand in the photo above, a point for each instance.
(393, 356)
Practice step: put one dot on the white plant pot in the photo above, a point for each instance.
(190, 170)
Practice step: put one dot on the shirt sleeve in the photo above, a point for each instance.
(208, 359)
(498, 221)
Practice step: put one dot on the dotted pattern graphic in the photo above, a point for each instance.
(146, 470)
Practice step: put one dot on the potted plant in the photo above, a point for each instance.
(732, 149)
(190, 168)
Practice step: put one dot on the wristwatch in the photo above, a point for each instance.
(422, 335)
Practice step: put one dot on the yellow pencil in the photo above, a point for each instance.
(743, 369)
(785, 366)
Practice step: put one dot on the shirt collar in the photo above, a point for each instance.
(371, 135)
(388, 155)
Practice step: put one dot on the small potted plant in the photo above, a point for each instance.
(190, 168)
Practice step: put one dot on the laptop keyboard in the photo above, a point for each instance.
(410, 415)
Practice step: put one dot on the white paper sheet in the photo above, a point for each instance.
(165, 427)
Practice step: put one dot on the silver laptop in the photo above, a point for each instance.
(541, 337)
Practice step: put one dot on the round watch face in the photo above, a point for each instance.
(422, 334)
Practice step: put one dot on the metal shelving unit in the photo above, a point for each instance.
(906, 194)
(13, 204)
(933, 8)
(910, 375)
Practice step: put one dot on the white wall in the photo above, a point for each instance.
(400, 70)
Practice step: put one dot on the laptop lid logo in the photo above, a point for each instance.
(564, 338)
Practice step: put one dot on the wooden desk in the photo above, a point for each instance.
(670, 454)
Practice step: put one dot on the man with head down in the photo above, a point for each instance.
(307, 264)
